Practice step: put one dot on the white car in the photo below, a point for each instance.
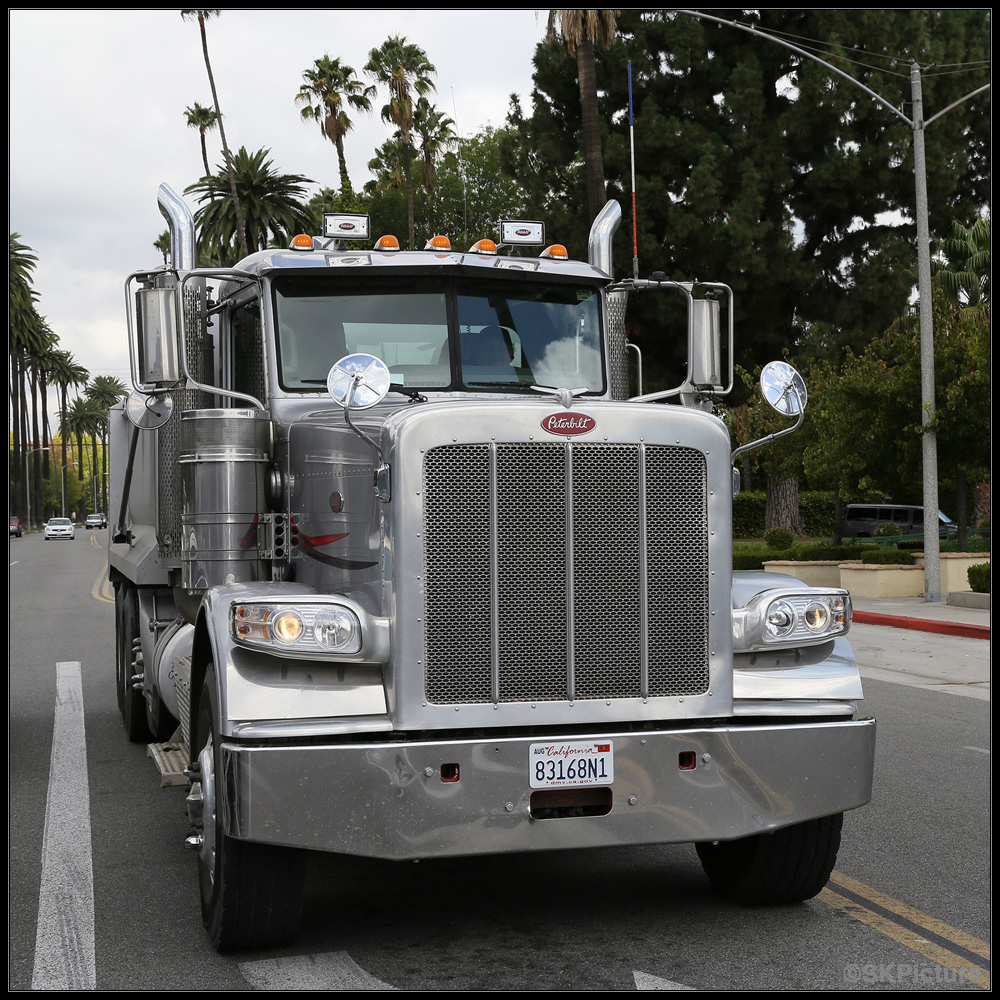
(60, 527)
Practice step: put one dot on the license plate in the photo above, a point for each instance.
(559, 765)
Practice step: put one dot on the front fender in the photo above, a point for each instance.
(260, 695)
(790, 677)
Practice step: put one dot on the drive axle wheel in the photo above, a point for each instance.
(251, 894)
(130, 702)
(141, 725)
(787, 866)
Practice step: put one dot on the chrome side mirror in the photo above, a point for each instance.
(359, 381)
(783, 388)
(785, 391)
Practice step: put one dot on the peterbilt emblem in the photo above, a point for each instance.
(568, 423)
(523, 232)
(347, 225)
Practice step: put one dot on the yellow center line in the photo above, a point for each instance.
(909, 936)
(102, 589)
(938, 927)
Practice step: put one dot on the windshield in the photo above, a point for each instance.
(401, 321)
(59, 520)
(496, 336)
(530, 334)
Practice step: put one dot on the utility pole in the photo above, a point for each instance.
(932, 543)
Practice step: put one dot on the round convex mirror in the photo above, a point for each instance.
(784, 388)
(367, 375)
(148, 412)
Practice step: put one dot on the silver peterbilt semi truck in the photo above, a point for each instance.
(402, 571)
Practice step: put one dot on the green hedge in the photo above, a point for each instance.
(887, 557)
(979, 578)
(754, 556)
(748, 514)
(842, 553)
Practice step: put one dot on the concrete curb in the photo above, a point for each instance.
(923, 625)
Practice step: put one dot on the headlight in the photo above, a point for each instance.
(791, 618)
(320, 628)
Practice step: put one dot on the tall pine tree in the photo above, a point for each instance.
(762, 169)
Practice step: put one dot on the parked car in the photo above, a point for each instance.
(95, 521)
(15, 527)
(861, 520)
(60, 527)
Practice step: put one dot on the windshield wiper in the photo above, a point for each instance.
(393, 387)
(520, 385)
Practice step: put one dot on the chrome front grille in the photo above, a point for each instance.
(564, 571)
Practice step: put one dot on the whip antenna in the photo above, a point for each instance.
(631, 142)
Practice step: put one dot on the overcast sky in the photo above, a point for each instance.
(97, 122)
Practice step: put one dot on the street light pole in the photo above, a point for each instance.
(932, 543)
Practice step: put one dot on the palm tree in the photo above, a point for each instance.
(434, 129)
(41, 342)
(46, 360)
(405, 71)
(327, 87)
(387, 166)
(65, 372)
(965, 275)
(273, 203)
(582, 31)
(81, 420)
(23, 324)
(201, 16)
(103, 393)
(162, 245)
(202, 119)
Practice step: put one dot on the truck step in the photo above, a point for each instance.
(171, 758)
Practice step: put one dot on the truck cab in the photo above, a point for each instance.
(406, 572)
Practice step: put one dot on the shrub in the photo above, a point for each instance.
(749, 557)
(889, 529)
(886, 557)
(778, 538)
(841, 553)
(979, 578)
(748, 514)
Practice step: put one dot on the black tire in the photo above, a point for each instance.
(119, 668)
(251, 894)
(787, 866)
(130, 702)
(141, 725)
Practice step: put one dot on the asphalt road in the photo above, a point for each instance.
(908, 907)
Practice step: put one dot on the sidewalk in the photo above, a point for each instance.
(924, 616)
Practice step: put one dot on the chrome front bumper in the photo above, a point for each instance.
(392, 800)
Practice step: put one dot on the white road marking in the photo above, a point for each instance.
(335, 970)
(64, 941)
(644, 981)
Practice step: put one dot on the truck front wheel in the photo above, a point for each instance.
(787, 866)
(251, 894)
